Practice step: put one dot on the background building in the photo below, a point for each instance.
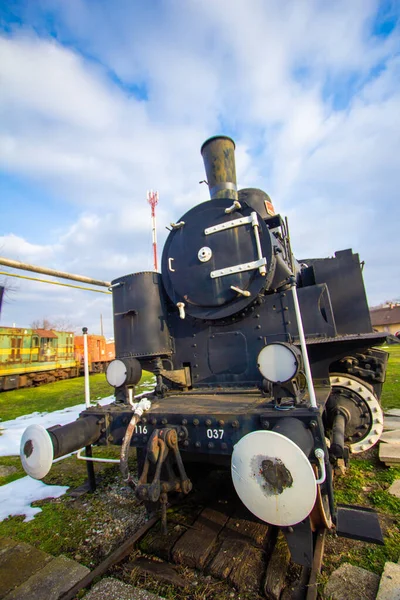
(386, 318)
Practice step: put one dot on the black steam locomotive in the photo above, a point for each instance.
(263, 363)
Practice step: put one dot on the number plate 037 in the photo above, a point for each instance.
(215, 434)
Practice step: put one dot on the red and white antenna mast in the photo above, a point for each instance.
(152, 199)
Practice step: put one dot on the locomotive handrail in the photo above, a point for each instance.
(249, 266)
(252, 219)
(94, 459)
(303, 345)
(228, 225)
(320, 455)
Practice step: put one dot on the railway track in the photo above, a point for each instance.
(211, 533)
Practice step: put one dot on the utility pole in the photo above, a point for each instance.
(152, 199)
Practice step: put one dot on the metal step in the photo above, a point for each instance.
(358, 523)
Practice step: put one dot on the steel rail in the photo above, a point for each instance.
(312, 588)
(115, 557)
(308, 586)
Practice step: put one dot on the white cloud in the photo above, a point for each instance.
(267, 71)
(13, 246)
(44, 78)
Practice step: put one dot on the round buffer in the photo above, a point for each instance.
(36, 451)
(273, 478)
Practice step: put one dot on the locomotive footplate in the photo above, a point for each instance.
(213, 423)
(187, 428)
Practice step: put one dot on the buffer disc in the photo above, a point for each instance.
(273, 478)
(36, 451)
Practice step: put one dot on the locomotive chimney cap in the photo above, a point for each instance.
(217, 137)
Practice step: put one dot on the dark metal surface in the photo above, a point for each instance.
(162, 454)
(210, 426)
(299, 538)
(297, 431)
(190, 281)
(73, 436)
(140, 320)
(255, 198)
(343, 276)
(90, 469)
(338, 429)
(359, 523)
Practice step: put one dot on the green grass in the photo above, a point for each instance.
(391, 387)
(50, 397)
(14, 464)
(68, 520)
(366, 483)
(66, 525)
(56, 396)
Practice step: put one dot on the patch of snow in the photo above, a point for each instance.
(11, 431)
(16, 497)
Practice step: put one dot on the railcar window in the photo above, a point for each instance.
(46, 348)
(69, 341)
(16, 345)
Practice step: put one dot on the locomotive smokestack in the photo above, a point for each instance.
(218, 155)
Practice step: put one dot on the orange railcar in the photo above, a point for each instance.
(99, 350)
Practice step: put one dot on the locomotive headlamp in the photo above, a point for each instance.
(279, 362)
(124, 371)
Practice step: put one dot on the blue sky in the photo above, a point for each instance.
(101, 100)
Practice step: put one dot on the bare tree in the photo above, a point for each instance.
(7, 288)
(42, 324)
(61, 324)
